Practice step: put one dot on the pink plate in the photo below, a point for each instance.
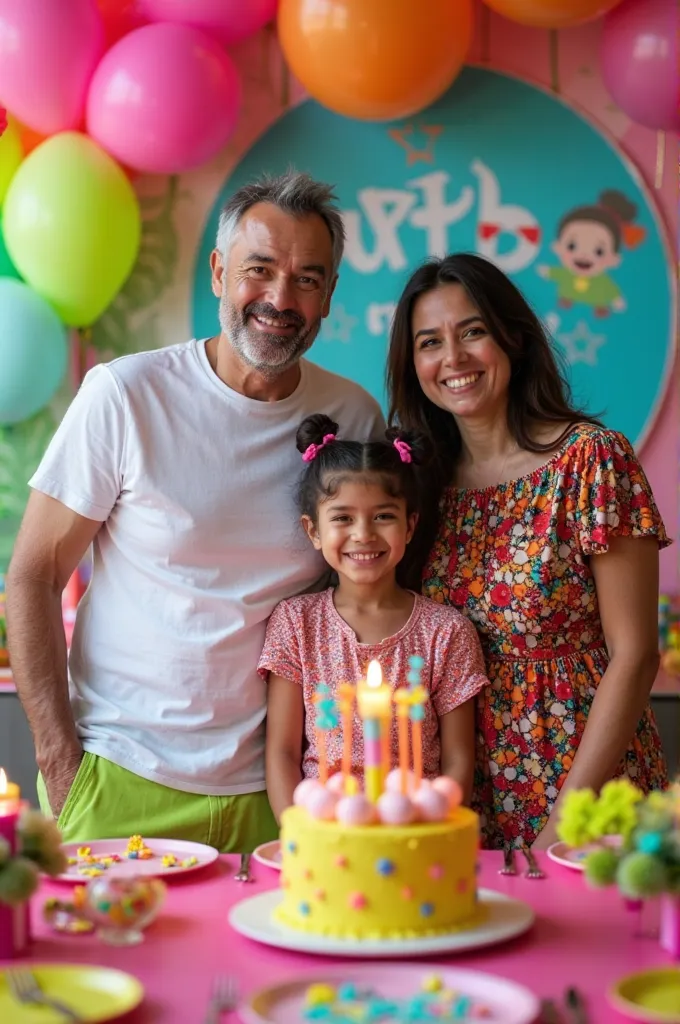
(152, 868)
(574, 856)
(269, 854)
(504, 1001)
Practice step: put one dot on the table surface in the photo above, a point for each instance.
(581, 937)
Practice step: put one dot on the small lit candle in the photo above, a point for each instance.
(375, 706)
(346, 694)
(10, 808)
(9, 791)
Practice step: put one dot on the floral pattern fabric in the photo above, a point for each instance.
(516, 560)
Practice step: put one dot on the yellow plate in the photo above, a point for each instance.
(652, 996)
(94, 993)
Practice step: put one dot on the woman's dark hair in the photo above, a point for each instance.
(613, 210)
(338, 459)
(538, 390)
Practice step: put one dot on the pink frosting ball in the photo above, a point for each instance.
(321, 804)
(303, 790)
(393, 781)
(432, 804)
(336, 783)
(355, 810)
(396, 809)
(450, 789)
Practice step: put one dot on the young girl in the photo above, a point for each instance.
(359, 507)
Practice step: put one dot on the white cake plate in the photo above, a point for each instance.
(505, 919)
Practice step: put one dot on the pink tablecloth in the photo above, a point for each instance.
(581, 937)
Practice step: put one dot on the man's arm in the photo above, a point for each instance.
(51, 543)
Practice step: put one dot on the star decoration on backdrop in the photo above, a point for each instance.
(403, 136)
(338, 325)
(581, 345)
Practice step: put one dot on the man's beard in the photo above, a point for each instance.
(269, 354)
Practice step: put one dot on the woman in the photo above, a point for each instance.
(547, 537)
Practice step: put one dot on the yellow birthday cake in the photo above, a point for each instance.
(378, 881)
(396, 859)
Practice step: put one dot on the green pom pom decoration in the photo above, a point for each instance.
(18, 880)
(640, 875)
(601, 867)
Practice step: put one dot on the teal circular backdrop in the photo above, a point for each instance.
(499, 167)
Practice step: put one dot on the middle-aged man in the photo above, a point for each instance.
(179, 467)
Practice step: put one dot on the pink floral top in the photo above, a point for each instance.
(309, 643)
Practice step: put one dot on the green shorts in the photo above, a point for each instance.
(109, 802)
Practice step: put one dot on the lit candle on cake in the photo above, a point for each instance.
(10, 808)
(346, 693)
(402, 699)
(375, 700)
(418, 698)
(326, 719)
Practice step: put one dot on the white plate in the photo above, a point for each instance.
(505, 919)
(574, 856)
(152, 868)
(284, 1003)
(269, 854)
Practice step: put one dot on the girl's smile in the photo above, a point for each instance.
(362, 531)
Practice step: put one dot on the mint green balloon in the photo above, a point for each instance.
(72, 226)
(33, 352)
(7, 268)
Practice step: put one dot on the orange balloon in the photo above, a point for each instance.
(31, 139)
(551, 13)
(373, 60)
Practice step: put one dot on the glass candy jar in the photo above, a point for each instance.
(120, 908)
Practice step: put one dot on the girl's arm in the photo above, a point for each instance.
(283, 751)
(627, 583)
(457, 734)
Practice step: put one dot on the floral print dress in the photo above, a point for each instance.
(515, 559)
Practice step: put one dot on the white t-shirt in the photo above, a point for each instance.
(194, 485)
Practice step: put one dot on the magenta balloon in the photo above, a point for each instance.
(228, 20)
(639, 56)
(164, 99)
(48, 52)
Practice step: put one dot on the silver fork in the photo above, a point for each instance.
(25, 987)
(223, 999)
(244, 869)
(534, 870)
(508, 861)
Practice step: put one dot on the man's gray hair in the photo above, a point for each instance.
(294, 192)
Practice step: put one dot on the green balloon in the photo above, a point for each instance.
(11, 155)
(7, 268)
(72, 226)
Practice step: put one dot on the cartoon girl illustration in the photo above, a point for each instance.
(588, 244)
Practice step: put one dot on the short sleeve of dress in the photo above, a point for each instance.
(281, 653)
(460, 661)
(611, 496)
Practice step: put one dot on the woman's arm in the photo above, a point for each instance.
(283, 751)
(627, 583)
(457, 734)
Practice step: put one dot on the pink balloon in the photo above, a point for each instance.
(164, 99)
(229, 20)
(639, 54)
(48, 52)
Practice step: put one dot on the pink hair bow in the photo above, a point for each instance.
(313, 450)
(404, 450)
